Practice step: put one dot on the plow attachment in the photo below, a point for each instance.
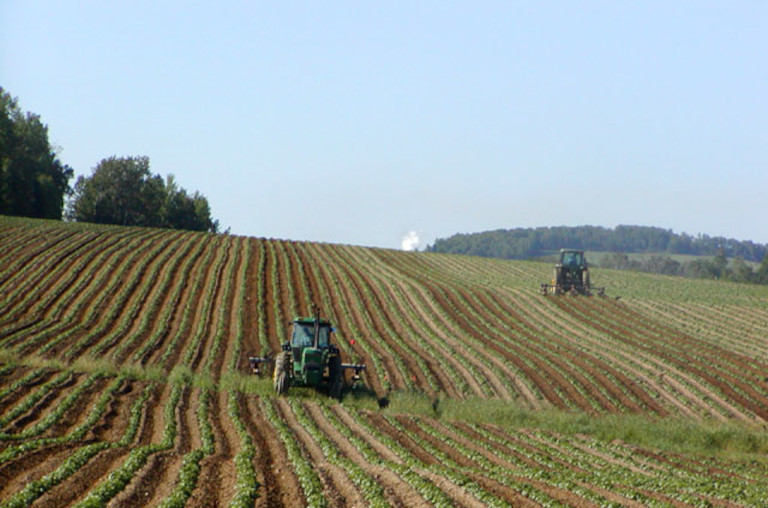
(260, 363)
(352, 366)
(554, 289)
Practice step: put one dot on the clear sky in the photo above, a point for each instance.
(394, 123)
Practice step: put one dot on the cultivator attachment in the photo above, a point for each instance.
(260, 364)
(353, 366)
(554, 289)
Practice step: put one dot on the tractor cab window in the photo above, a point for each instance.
(323, 340)
(573, 259)
(304, 336)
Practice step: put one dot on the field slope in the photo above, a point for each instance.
(123, 378)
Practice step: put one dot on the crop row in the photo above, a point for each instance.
(439, 324)
(382, 458)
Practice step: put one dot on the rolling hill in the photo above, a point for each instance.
(124, 380)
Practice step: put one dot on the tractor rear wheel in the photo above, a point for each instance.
(280, 380)
(334, 377)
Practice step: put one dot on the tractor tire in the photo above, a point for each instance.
(281, 380)
(335, 380)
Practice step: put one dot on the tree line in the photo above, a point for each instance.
(123, 191)
(33, 181)
(722, 258)
(529, 243)
(716, 267)
(120, 190)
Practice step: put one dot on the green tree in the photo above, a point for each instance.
(123, 191)
(761, 276)
(182, 211)
(741, 271)
(719, 265)
(33, 181)
(119, 191)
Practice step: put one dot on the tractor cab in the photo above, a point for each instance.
(309, 332)
(572, 258)
(311, 350)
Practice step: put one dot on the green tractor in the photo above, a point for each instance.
(308, 359)
(571, 276)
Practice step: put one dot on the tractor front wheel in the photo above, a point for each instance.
(280, 380)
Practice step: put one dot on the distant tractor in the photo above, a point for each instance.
(571, 276)
(308, 359)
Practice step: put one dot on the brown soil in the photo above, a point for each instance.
(157, 478)
(250, 306)
(79, 411)
(212, 294)
(202, 279)
(44, 281)
(148, 303)
(396, 490)
(23, 246)
(44, 406)
(279, 485)
(681, 351)
(178, 297)
(15, 396)
(339, 488)
(217, 480)
(86, 310)
(234, 300)
(17, 473)
(38, 463)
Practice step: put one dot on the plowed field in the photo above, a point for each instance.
(123, 377)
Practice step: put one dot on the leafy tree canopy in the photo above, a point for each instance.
(123, 191)
(33, 181)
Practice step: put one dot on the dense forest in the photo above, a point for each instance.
(720, 258)
(528, 243)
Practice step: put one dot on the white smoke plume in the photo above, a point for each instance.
(410, 241)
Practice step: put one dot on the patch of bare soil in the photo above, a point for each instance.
(250, 303)
(217, 480)
(44, 406)
(79, 411)
(279, 485)
(339, 489)
(216, 301)
(16, 395)
(179, 296)
(30, 467)
(157, 478)
(397, 491)
(334, 276)
(142, 295)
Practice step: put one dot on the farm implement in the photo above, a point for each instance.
(308, 359)
(571, 276)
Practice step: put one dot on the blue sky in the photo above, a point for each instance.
(366, 122)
